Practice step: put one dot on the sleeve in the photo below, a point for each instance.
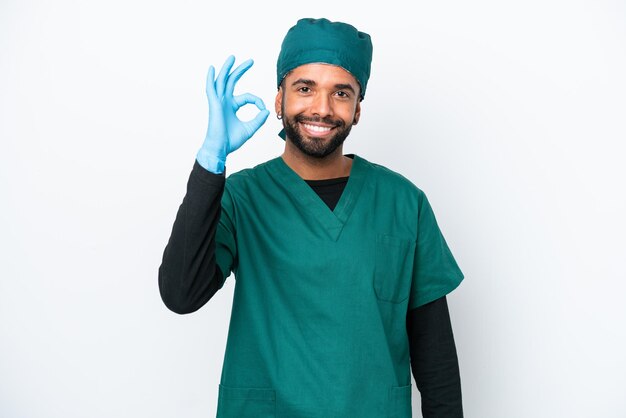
(434, 360)
(225, 239)
(188, 276)
(435, 271)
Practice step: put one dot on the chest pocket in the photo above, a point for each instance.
(393, 268)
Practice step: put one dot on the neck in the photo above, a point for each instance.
(310, 168)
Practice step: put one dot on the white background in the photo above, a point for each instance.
(509, 115)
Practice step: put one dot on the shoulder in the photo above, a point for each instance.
(388, 178)
(248, 178)
(246, 174)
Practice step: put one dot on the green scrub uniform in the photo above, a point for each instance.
(318, 323)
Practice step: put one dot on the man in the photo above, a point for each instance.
(341, 270)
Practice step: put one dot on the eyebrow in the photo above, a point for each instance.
(308, 82)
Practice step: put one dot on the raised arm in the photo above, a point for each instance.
(189, 275)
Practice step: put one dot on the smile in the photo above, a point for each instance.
(315, 129)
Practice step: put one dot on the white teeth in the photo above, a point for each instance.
(316, 128)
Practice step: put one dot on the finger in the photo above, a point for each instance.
(248, 98)
(221, 78)
(236, 75)
(210, 83)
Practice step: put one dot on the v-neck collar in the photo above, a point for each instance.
(333, 221)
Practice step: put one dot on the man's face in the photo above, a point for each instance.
(319, 103)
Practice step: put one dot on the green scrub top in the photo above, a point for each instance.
(318, 322)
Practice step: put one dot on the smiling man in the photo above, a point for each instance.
(341, 269)
(327, 92)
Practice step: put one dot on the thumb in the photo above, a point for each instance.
(253, 125)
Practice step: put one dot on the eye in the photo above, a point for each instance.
(304, 89)
(343, 94)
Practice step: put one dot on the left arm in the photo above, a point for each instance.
(434, 360)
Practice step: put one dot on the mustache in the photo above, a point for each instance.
(326, 120)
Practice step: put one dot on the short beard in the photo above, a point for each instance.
(315, 147)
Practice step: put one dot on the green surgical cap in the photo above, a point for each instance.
(322, 41)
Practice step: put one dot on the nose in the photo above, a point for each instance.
(321, 105)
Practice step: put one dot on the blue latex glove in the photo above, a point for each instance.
(226, 132)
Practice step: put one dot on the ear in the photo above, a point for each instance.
(357, 113)
(278, 102)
